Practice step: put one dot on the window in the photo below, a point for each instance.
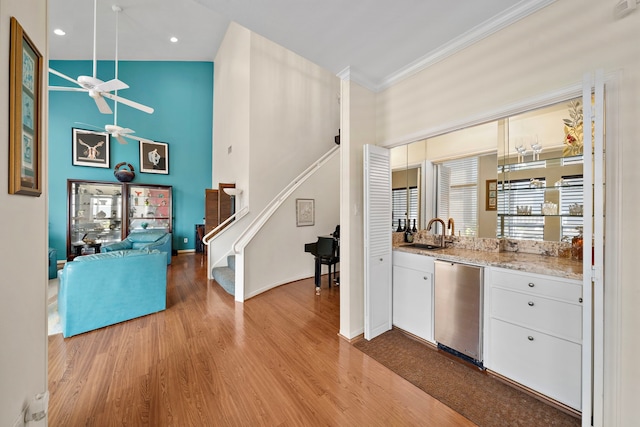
(520, 194)
(570, 193)
(457, 194)
(399, 202)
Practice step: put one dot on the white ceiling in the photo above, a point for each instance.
(380, 40)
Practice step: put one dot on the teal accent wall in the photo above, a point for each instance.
(181, 94)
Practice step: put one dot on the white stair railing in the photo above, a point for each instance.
(219, 230)
(250, 232)
(254, 227)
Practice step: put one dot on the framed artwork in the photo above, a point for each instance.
(154, 157)
(305, 212)
(492, 195)
(25, 94)
(90, 148)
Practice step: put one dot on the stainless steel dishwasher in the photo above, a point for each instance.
(458, 309)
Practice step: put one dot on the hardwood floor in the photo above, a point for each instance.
(277, 359)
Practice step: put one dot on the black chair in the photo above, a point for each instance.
(327, 253)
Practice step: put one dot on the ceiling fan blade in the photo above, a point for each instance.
(128, 102)
(120, 139)
(111, 85)
(68, 89)
(64, 76)
(88, 125)
(126, 131)
(138, 138)
(102, 105)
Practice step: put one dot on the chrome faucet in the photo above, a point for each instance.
(443, 229)
(451, 226)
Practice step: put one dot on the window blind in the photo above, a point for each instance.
(571, 193)
(457, 194)
(520, 227)
(399, 203)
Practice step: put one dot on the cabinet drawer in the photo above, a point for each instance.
(532, 311)
(565, 289)
(549, 365)
(413, 261)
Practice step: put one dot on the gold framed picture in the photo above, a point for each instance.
(492, 195)
(25, 100)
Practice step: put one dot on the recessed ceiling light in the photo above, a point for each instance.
(174, 39)
(59, 32)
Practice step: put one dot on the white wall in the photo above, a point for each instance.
(231, 102)
(23, 254)
(543, 53)
(281, 113)
(358, 128)
(293, 119)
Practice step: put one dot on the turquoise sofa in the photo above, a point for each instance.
(107, 288)
(143, 240)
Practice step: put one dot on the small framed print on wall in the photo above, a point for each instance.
(154, 157)
(492, 195)
(90, 148)
(305, 212)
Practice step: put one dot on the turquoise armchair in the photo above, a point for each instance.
(143, 240)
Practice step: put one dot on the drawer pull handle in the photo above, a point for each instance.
(531, 285)
(530, 303)
(530, 338)
(424, 277)
(580, 299)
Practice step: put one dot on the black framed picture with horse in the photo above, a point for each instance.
(90, 148)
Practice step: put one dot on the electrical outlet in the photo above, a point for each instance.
(186, 240)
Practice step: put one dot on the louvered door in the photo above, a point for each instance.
(377, 241)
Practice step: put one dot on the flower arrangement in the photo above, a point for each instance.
(573, 130)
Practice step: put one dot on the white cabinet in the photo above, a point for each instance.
(413, 294)
(535, 332)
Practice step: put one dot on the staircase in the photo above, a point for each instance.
(226, 276)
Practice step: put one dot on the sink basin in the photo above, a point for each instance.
(423, 246)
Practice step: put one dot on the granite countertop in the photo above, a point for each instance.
(530, 263)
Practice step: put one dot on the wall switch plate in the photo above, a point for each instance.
(186, 240)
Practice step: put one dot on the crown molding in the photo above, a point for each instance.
(349, 74)
(495, 24)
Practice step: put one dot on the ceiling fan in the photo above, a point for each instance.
(118, 132)
(97, 89)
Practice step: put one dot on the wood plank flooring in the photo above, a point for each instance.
(276, 360)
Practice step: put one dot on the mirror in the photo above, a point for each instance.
(535, 158)
(540, 174)
(407, 185)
